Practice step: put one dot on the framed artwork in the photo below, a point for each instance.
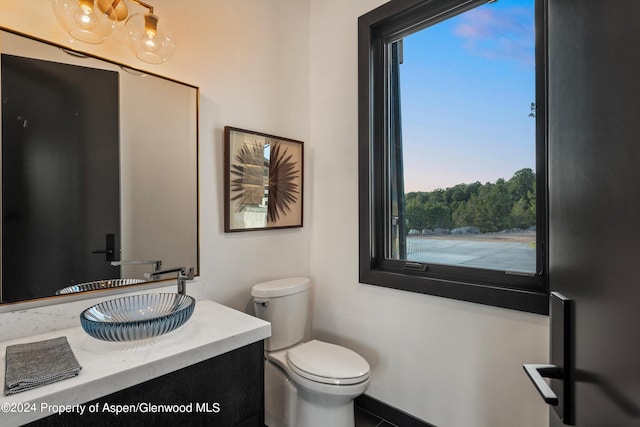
(262, 181)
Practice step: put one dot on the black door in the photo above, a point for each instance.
(60, 176)
(594, 204)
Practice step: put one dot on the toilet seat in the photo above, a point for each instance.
(327, 363)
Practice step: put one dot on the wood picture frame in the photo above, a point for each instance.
(263, 181)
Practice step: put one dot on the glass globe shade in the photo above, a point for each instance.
(151, 42)
(84, 20)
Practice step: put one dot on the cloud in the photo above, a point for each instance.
(503, 34)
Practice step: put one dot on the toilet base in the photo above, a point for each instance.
(292, 401)
(313, 414)
(280, 397)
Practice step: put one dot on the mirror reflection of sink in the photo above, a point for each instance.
(98, 284)
(137, 317)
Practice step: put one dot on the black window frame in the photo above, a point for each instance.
(376, 30)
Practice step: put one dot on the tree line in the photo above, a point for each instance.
(491, 206)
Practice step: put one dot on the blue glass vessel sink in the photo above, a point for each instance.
(98, 284)
(137, 317)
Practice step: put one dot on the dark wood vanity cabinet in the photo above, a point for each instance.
(227, 390)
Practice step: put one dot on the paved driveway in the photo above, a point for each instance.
(504, 255)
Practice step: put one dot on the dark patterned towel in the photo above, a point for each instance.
(39, 363)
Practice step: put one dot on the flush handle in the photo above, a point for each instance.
(261, 302)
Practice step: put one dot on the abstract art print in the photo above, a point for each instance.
(263, 181)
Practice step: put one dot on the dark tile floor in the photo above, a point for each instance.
(367, 419)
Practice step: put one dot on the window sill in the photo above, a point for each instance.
(515, 299)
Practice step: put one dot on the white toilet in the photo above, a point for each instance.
(307, 384)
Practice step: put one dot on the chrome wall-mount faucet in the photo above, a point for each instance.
(183, 274)
(157, 264)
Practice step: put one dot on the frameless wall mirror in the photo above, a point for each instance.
(99, 170)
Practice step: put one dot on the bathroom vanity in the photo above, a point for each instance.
(208, 372)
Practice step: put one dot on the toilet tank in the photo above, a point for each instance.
(285, 304)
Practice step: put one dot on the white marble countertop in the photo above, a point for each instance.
(107, 367)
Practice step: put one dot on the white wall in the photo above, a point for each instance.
(250, 59)
(452, 364)
(288, 67)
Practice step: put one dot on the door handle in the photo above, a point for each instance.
(537, 373)
(560, 391)
(110, 250)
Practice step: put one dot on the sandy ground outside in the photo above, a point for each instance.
(519, 237)
(506, 251)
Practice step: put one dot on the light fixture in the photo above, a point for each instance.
(150, 42)
(93, 21)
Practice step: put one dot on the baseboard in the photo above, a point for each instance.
(389, 413)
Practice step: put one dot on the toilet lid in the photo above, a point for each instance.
(280, 287)
(328, 363)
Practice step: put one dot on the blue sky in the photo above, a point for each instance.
(467, 86)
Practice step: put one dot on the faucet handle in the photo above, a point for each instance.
(187, 274)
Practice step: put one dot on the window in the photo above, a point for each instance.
(452, 150)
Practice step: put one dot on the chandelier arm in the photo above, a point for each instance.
(143, 4)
